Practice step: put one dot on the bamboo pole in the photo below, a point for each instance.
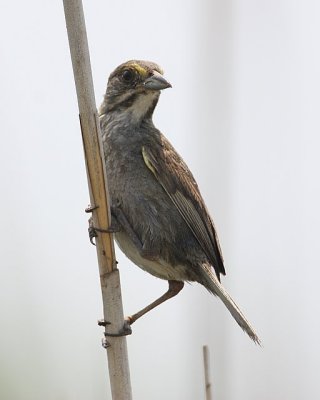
(119, 373)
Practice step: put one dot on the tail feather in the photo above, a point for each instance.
(214, 286)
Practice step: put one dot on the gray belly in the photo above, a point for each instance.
(154, 218)
(159, 268)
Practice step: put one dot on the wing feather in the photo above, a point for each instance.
(177, 181)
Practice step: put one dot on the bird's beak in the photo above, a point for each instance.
(156, 82)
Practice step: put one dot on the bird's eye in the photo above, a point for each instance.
(128, 75)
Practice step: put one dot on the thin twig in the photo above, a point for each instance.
(206, 364)
(109, 275)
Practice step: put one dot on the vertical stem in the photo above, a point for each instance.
(207, 373)
(96, 173)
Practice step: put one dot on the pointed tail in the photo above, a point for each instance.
(215, 287)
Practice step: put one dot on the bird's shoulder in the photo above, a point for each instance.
(170, 166)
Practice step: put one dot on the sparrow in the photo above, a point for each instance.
(159, 218)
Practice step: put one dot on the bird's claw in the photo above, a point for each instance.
(90, 208)
(92, 233)
(93, 230)
(124, 331)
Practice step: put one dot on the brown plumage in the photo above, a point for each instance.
(178, 182)
(160, 219)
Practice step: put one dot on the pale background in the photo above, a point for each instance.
(244, 113)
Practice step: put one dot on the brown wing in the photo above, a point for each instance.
(178, 182)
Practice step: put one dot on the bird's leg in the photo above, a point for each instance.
(174, 288)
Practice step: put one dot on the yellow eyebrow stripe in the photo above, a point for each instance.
(142, 71)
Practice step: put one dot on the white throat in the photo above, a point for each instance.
(141, 106)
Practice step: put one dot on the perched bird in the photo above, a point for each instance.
(159, 218)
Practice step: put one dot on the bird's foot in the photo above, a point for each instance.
(93, 231)
(90, 208)
(124, 331)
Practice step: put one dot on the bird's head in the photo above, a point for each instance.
(134, 88)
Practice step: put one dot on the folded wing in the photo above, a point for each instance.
(177, 181)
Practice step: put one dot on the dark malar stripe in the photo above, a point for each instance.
(123, 103)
